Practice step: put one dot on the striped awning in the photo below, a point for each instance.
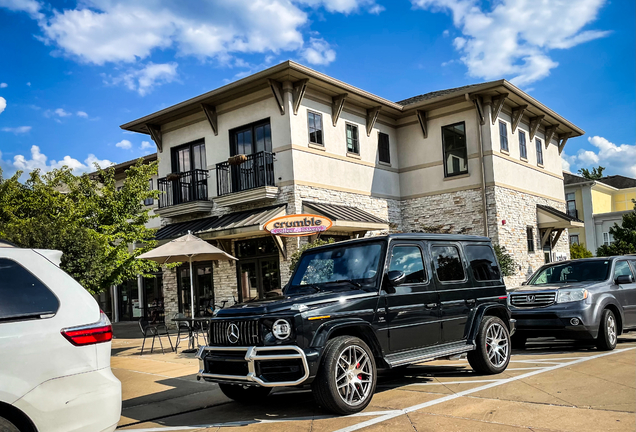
(346, 218)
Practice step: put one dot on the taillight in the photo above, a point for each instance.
(95, 333)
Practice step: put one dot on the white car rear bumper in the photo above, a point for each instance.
(88, 401)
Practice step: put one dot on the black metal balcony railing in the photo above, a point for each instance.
(183, 187)
(256, 171)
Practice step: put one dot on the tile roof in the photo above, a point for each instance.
(434, 94)
(618, 181)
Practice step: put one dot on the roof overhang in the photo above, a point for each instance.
(551, 218)
(347, 219)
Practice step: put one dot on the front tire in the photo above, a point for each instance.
(607, 332)
(493, 347)
(347, 376)
(7, 426)
(245, 394)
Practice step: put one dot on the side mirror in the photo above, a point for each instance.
(395, 277)
(624, 279)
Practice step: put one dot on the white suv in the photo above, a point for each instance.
(54, 349)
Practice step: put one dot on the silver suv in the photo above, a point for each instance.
(590, 299)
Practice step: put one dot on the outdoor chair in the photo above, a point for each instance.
(156, 331)
(184, 331)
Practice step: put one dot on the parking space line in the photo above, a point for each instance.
(413, 408)
(454, 382)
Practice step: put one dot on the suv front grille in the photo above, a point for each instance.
(533, 300)
(246, 333)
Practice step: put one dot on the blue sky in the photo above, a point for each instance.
(71, 73)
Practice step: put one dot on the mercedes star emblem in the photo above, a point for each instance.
(232, 333)
(530, 299)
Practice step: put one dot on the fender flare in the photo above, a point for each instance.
(482, 310)
(324, 332)
(602, 302)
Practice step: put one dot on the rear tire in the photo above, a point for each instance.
(7, 426)
(245, 394)
(493, 347)
(607, 332)
(347, 376)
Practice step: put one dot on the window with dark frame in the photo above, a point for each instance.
(149, 201)
(22, 295)
(252, 138)
(189, 157)
(353, 145)
(570, 204)
(455, 152)
(523, 149)
(503, 136)
(574, 239)
(539, 151)
(530, 238)
(314, 121)
(384, 154)
(448, 264)
(408, 259)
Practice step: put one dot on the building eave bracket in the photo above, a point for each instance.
(210, 114)
(155, 134)
(535, 122)
(421, 117)
(549, 134)
(563, 138)
(299, 93)
(497, 105)
(372, 117)
(479, 107)
(337, 104)
(277, 90)
(517, 114)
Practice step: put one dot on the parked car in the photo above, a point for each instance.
(355, 306)
(587, 299)
(54, 349)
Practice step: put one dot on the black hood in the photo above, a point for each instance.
(285, 302)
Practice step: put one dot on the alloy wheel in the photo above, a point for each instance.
(611, 330)
(497, 345)
(354, 375)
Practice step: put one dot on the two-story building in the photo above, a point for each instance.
(481, 159)
(599, 204)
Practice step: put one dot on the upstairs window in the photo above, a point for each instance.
(149, 201)
(189, 157)
(353, 145)
(383, 148)
(530, 238)
(315, 127)
(570, 204)
(523, 150)
(252, 138)
(539, 151)
(455, 152)
(503, 136)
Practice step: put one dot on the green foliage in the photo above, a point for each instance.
(293, 260)
(595, 174)
(624, 237)
(86, 218)
(507, 264)
(578, 251)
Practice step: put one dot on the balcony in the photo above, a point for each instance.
(247, 178)
(183, 193)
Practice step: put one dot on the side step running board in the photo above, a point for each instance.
(424, 354)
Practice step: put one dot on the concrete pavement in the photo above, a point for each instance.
(551, 386)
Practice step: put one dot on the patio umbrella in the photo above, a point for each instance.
(186, 248)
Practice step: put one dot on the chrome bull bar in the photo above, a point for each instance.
(252, 355)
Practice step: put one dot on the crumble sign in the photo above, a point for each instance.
(298, 225)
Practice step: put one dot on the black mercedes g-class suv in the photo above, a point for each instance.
(354, 306)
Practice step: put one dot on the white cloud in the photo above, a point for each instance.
(146, 145)
(345, 6)
(59, 112)
(124, 144)
(31, 7)
(40, 161)
(514, 38)
(4, 85)
(145, 79)
(318, 52)
(617, 159)
(17, 130)
(3, 104)
(28, 84)
(81, 114)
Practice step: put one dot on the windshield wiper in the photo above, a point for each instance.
(354, 285)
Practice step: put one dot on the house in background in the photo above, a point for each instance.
(599, 204)
(482, 159)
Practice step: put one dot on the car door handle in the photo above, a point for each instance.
(470, 302)
(430, 305)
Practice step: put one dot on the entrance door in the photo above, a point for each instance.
(203, 288)
(128, 299)
(258, 269)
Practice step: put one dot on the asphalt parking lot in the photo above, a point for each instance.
(551, 386)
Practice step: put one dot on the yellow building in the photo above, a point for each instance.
(599, 204)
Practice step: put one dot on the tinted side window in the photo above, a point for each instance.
(622, 269)
(482, 262)
(22, 294)
(448, 265)
(408, 259)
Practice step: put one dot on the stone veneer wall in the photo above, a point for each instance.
(170, 300)
(458, 212)
(519, 210)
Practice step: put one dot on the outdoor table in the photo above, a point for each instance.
(191, 323)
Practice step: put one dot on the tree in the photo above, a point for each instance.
(624, 236)
(293, 260)
(86, 218)
(578, 251)
(507, 264)
(595, 174)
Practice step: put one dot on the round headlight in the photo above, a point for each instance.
(281, 329)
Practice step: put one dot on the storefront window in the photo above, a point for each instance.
(258, 269)
(203, 288)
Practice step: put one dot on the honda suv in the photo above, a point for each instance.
(54, 349)
(355, 306)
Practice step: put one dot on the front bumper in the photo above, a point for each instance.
(267, 366)
(555, 321)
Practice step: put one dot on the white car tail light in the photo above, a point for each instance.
(90, 334)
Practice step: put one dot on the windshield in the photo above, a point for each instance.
(333, 268)
(577, 271)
